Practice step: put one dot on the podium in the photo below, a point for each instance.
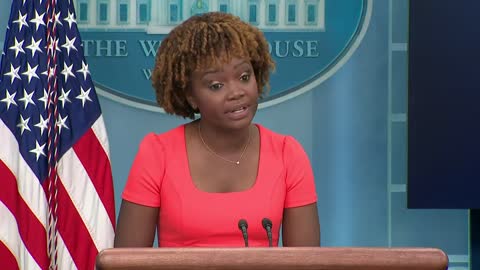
(276, 258)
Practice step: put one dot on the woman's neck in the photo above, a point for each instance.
(224, 141)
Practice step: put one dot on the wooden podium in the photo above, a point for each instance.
(277, 258)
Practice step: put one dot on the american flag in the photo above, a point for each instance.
(56, 193)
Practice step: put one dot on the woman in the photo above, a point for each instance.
(195, 182)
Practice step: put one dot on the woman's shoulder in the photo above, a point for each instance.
(168, 137)
(267, 133)
(277, 140)
(275, 137)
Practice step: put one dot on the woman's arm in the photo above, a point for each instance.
(301, 226)
(136, 225)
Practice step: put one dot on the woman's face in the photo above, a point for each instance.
(226, 96)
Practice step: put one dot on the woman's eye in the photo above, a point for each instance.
(215, 86)
(245, 77)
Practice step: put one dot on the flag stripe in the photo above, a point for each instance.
(65, 260)
(28, 184)
(7, 258)
(30, 229)
(99, 129)
(10, 235)
(84, 196)
(73, 231)
(93, 164)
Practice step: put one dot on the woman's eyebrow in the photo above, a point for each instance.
(216, 70)
(202, 74)
(241, 63)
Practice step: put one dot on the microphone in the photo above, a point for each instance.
(243, 225)
(267, 225)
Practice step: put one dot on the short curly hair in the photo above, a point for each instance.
(200, 42)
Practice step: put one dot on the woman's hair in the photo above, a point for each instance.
(200, 42)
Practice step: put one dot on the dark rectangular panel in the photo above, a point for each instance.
(444, 104)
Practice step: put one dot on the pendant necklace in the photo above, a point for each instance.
(237, 162)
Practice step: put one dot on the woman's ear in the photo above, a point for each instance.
(191, 102)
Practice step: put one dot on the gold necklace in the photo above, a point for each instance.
(219, 156)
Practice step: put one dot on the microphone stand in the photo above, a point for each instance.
(243, 226)
(267, 225)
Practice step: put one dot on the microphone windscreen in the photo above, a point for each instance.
(242, 223)
(266, 223)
